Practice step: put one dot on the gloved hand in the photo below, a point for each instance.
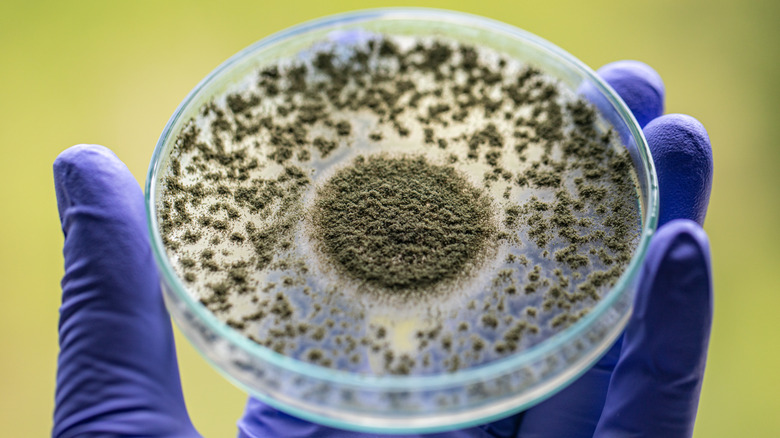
(117, 371)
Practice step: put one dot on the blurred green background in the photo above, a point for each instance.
(113, 72)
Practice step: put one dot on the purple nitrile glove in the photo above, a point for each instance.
(117, 370)
(117, 373)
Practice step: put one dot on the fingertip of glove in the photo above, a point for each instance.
(635, 70)
(88, 174)
(682, 233)
(681, 150)
(82, 157)
(681, 126)
(640, 87)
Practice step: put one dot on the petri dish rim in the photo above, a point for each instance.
(432, 382)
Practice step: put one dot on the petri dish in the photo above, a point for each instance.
(401, 350)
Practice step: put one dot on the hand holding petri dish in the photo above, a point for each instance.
(401, 220)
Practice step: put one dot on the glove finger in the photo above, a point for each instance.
(261, 421)
(683, 161)
(117, 370)
(655, 387)
(575, 410)
(640, 87)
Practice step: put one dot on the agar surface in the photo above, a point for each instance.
(401, 205)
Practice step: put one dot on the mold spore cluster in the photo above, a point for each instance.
(400, 205)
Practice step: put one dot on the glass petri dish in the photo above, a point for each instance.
(418, 402)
